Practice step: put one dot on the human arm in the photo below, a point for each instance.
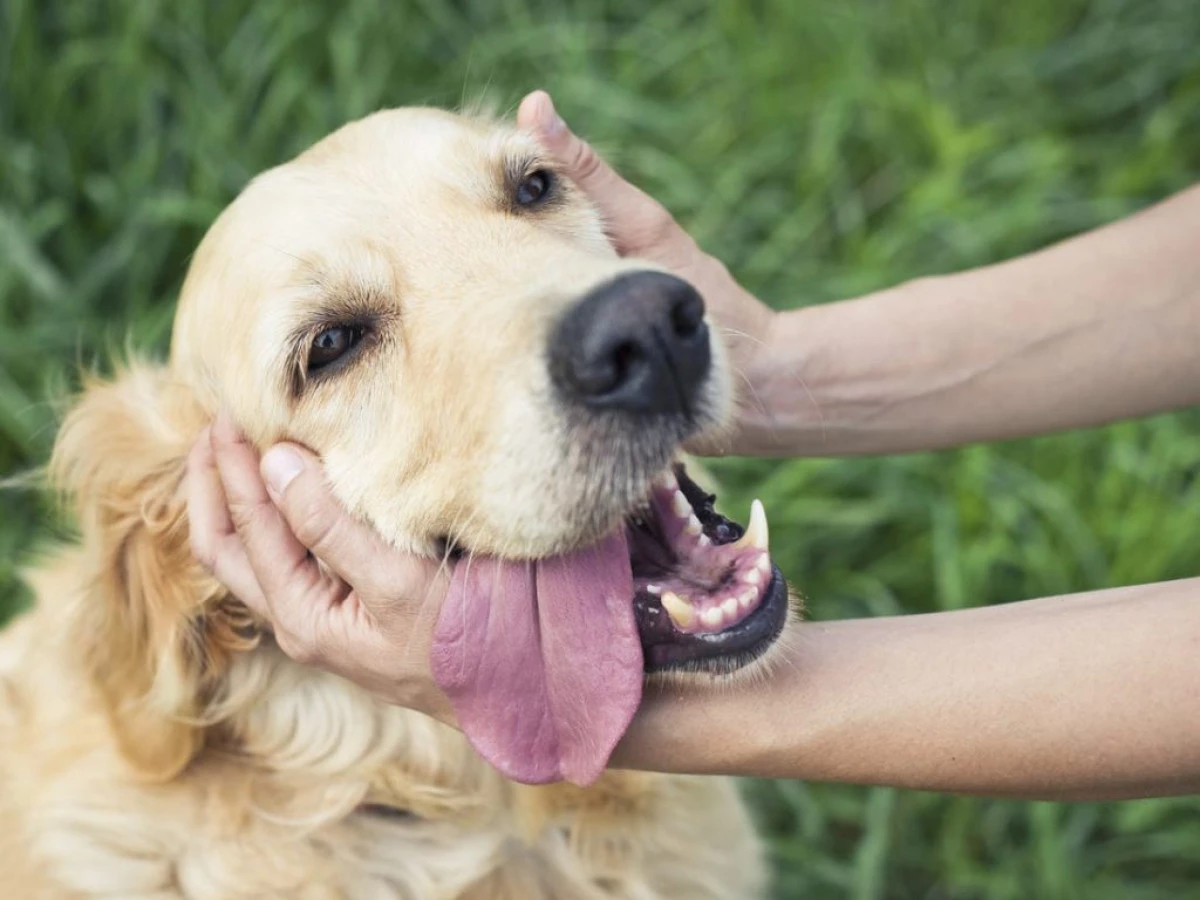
(1098, 328)
(893, 682)
(1083, 697)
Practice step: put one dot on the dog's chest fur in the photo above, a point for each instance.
(312, 789)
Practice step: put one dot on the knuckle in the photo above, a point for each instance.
(307, 655)
(296, 648)
(658, 225)
(586, 163)
(310, 518)
(203, 550)
(662, 240)
(194, 461)
(247, 516)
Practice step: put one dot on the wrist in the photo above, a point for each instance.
(826, 377)
(700, 729)
(745, 327)
(778, 410)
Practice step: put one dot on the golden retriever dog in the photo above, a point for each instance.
(426, 303)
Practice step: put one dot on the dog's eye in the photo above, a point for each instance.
(534, 188)
(332, 344)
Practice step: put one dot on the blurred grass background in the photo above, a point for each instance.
(822, 148)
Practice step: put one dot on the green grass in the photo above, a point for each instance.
(821, 148)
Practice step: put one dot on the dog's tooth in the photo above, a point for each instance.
(681, 612)
(756, 535)
(758, 531)
(748, 598)
(704, 540)
(693, 525)
(730, 608)
(712, 618)
(764, 563)
(654, 589)
(753, 576)
(680, 505)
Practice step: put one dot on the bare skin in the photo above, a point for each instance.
(1082, 697)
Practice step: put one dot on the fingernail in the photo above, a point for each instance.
(554, 123)
(280, 465)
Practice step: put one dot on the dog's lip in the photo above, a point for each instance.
(707, 596)
(723, 651)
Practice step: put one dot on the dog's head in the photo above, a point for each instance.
(423, 300)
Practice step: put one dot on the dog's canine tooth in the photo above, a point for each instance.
(756, 536)
(693, 526)
(679, 609)
(680, 505)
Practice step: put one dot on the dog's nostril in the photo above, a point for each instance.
(687, 315)
(625, 356)
(609, 371)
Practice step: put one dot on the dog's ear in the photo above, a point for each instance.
(154, 630)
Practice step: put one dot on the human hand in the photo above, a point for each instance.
(640, 226)
(335, 594)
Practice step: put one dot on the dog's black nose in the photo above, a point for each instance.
(637, 343)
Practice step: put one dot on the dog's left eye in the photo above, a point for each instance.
(332, 344)
(534, 188)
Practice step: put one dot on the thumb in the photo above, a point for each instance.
(637, 223)
(296, 482)
(387, 581)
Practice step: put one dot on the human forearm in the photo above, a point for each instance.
(1090, 696)
(1092, 330)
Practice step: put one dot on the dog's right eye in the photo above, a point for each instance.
(333, 344)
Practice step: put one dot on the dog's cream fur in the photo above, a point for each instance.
(152, 742)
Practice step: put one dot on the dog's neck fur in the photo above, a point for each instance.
(152, 744)
(271, 803)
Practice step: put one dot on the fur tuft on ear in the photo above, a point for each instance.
(156, 630)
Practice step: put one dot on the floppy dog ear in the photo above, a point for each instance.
(153, 628)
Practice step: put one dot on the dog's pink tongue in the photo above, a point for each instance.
(542, 661)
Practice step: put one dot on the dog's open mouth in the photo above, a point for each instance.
(706, 594)
(544, 660)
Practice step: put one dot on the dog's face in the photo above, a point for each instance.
(427, 304)
(398, 299)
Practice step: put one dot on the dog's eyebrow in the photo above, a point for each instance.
(517, 165)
